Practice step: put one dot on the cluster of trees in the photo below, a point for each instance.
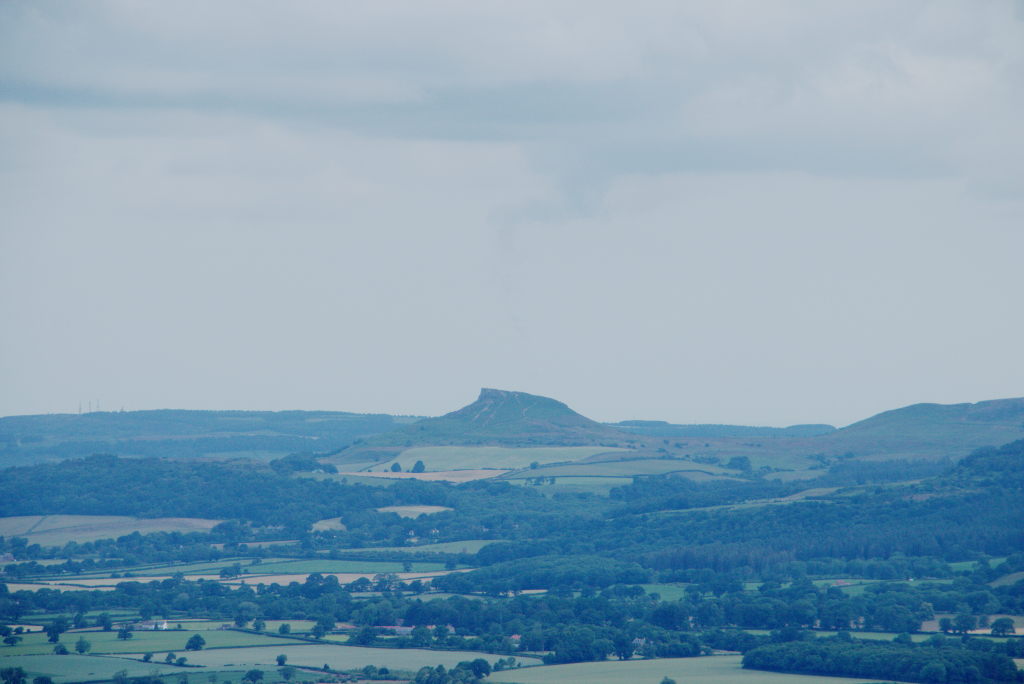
(466, 672)
(154, 488)
(620, 620)
(905, 662)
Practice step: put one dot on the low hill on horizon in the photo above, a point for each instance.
(500, 418)
(932, 430)
(175, 433)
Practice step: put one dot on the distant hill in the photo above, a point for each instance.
(184, 434)
(497, 418)
(924, 432)
(931, 430)
(660, 428)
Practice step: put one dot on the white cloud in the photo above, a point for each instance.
(690, 211)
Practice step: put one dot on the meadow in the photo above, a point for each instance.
(623, 468)
(704, 670)
(467, 546)
(509, 458)
(250, 571)
(141, 641)
(79, 668)
(453, 476)
(57, 530)
(337, 657)
(413, 511)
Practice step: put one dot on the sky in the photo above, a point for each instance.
(701, 212)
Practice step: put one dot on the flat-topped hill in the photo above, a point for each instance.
(505, 418)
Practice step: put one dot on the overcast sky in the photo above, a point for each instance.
(743, 212)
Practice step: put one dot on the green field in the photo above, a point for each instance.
(667, 592)
(77, 668)
(624, 468)
(467, 546)
(337, 657)
(705, 670)
(273, 567)
(509, 458)
(57, 530)
(413, 511)
(327, 565)
(1007, 580)
(141, 641)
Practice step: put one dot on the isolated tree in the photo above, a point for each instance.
(253, 676)
(964, 623)
(281, 660)
(667, 680)
(11, 640)
(104, 621)
(125, 633)
(55, 629)
(169, 658)
(60, 649)
(82, 645)
(259, 625)
(418, 467)
(284, 629)
(739, 463)
(396, 468)
(195, 643)
(147, 657)
(1003, 627)
(287, 673)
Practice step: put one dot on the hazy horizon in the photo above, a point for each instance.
(702, 213)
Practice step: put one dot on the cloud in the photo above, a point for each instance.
(691, 211)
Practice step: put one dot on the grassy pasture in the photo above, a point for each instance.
(78, 668)
(141, 641)
(467, 546)
(793, 475)
(338, 657)
(510, 458)
(413, 511)
(57, 530)
(329, 524)
(1006, 580)
(454, 476)
(341, 566)
(625, 468)
(933, 624)
(192, 626)
(668, 592)
(162, 570)
(959, 566)
(705, 670)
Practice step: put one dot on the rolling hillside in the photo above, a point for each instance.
(184, 434)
